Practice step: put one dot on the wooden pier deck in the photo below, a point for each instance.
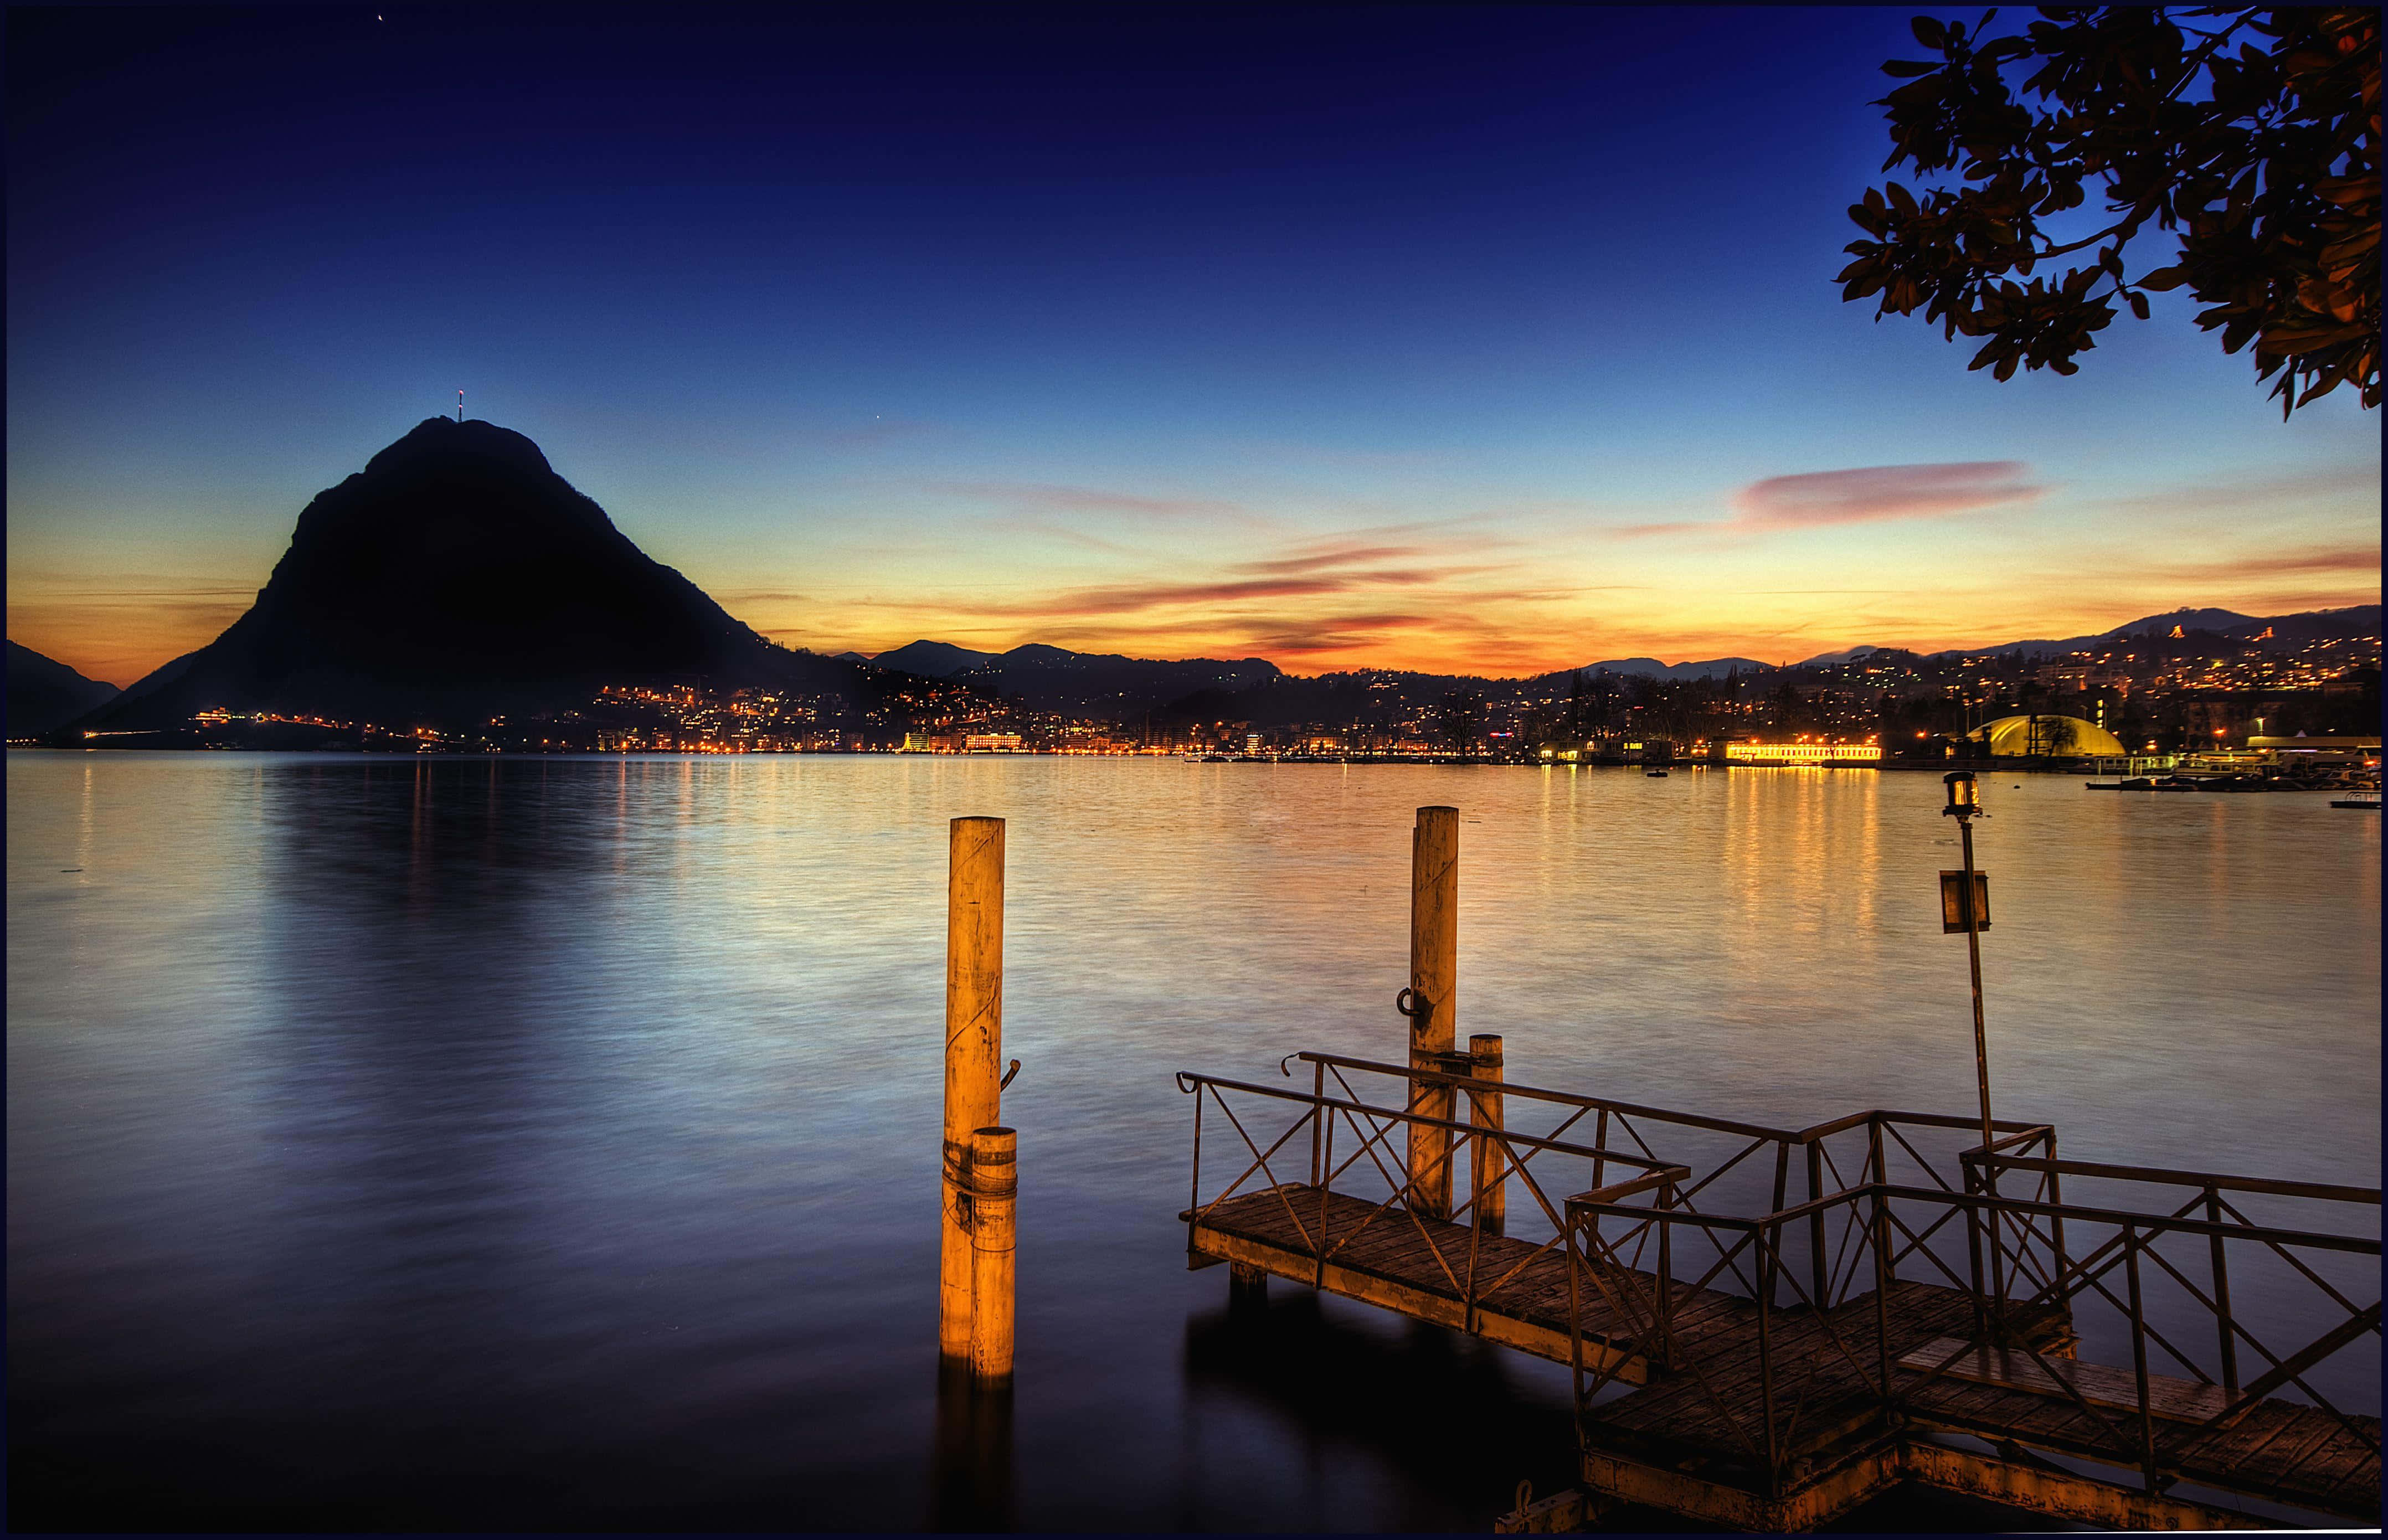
(1856, 1374)
(1701, 1413)
(2279, 1451)
(1418, 1267)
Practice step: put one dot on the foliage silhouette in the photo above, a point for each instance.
(2265, 161)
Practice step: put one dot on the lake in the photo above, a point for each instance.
(448, 1142)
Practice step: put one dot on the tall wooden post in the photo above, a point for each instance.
(995, 1189)
(1434, 997)
(973, 1049)
(1484, 1110)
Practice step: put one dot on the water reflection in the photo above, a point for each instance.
(1459, 1419)
(971, 1464)
(554, 1142)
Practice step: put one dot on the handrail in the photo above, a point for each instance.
(2159, 1176)
(1928, 1120)
(1616, 1190)
(1770, 1438)
(1570, 1099)
(2150, 1223)
(1424, 1120)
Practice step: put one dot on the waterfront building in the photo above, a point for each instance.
(2044, 733)
(1803, 753)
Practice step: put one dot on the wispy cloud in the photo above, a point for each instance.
(2285, 491)
(731, 598)
(2241, 577)
(1334, 554)
(1125, 598)
(1873, 492)
(1862, 494)
(120, 627)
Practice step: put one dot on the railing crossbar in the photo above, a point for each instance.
(2315, 1278)
(1573, 1098)
(1259, 1162)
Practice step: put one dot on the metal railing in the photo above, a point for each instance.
(1663, 1247)
(1492, 1153)
(1826, 1362)
(1338, 1142)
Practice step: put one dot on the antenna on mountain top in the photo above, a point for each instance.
(459, 406)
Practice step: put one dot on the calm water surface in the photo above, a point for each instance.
(426, 1144)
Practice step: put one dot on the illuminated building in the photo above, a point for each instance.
(2046, 735)
(1803, 753)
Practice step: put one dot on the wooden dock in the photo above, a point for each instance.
(1898, 1324)
(1419, 1267)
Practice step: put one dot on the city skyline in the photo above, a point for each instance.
(1485, 344)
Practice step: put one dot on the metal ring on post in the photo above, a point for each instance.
(1406, 1003)
(1008, 1076)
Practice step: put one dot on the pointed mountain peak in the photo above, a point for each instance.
(445, 438)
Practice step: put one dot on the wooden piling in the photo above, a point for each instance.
(995, 1189)
(1434, 997)
(1484, 1112)
(973, 1049)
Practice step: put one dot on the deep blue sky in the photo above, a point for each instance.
(1415, 337)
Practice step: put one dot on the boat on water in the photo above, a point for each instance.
(1656, 774)
(2151, 783)
(2368, 804)
(2235, 783)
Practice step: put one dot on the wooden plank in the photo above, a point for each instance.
(2361, 1482)
(1412, 1298)
(2175, 1400)
(2223, 1448)
(2284, 1462)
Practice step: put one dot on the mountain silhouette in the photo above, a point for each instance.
(43, 693)
(458, 577)
(1650, 667)
(931, 659)
(2302, 626)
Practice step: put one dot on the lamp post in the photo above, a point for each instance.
(1965, 803)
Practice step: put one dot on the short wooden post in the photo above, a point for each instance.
(1484, 1112)
(1434, 999)
(995, 1190)
(973, 1049)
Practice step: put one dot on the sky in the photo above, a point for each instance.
(1476, 340)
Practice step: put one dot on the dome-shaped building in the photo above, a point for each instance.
(2046, 735)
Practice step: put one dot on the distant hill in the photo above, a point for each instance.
(931, 659)
(1054, 678)
(2302, 626)
(457, 575)
(1650, 667)
(45, 694)
(2315, 624)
